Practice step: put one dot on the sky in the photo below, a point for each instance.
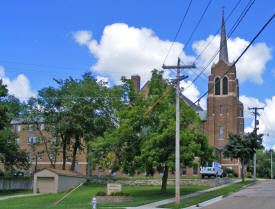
(42, 40)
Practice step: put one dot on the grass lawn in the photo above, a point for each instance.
(14, 192)
(207, 196)
(81, 198)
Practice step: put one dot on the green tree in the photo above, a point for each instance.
(75, 112)
(147, 142)
(263, 164)
(10, 153)
(243, 148)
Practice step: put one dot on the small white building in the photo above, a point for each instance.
(51, 180)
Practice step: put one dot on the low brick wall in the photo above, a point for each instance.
(113, 198)
(206, 182)
(16, 184)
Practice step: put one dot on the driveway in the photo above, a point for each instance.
(258, 196)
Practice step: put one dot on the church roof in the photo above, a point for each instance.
(187, 101)
(223, 43)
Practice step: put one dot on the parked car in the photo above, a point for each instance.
(215, 169)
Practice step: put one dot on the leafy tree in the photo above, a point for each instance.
(243, 148)
(10, 153)
(147, 142)
(75, 112)
(263, 164)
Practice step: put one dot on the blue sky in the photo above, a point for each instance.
(42, 40)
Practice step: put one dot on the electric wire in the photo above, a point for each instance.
(178, 31)
(234, 27)
(235, 62)
(198, 23)
(218, 31)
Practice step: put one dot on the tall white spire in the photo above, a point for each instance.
(223, 43)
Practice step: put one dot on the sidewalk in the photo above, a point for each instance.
(16, 196)
(163, 202)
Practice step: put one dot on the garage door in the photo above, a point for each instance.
(46, 184)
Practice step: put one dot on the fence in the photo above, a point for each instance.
(15, 183)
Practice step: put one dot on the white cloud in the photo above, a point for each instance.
(192, 93)
(82, 37)
(250, 67)
(19, 87)
(103, 79)
(125, 50)
(266, 119)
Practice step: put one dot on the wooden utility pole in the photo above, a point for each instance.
(256, 123)
(177, 161)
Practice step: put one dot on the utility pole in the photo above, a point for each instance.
(177, 161)
(256, 123)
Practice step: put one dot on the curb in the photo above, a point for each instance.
(205, 203)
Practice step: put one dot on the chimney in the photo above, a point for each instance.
(136, 81)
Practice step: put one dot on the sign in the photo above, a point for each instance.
(111, 188)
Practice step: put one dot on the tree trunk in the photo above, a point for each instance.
(242, 170)
(76, 146)
(64, 152)
(88, 172)
(164, 180)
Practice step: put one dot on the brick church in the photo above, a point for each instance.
(224, 109)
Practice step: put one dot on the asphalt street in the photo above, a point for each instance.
(258, 196)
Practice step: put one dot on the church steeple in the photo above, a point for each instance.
(223, 43)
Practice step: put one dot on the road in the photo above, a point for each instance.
(258, 196)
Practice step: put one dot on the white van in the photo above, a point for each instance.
(215, 170)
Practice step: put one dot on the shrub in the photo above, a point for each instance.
(100, 193)
(227, 171)
(230, 175)
(248, 175)
(120, 194)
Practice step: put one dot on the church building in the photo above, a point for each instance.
(224, 110)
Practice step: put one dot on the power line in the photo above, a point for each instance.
(178, 31)
(198, 23)
(234, 27)
(251, 42)
(218, 31)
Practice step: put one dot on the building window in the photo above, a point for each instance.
(42, 126)
(217, 86)
(31, 140)
(221, 109)
(17, 141)
(53, 140)
(18, 128)
(221, 133)
(39, 156)
(184, 171)
(51, 156)
(225, 86)
(30, 127)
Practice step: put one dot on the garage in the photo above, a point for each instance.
(53, 180)
(45, 184)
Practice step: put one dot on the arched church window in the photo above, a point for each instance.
(225, 85)
(217, 86)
